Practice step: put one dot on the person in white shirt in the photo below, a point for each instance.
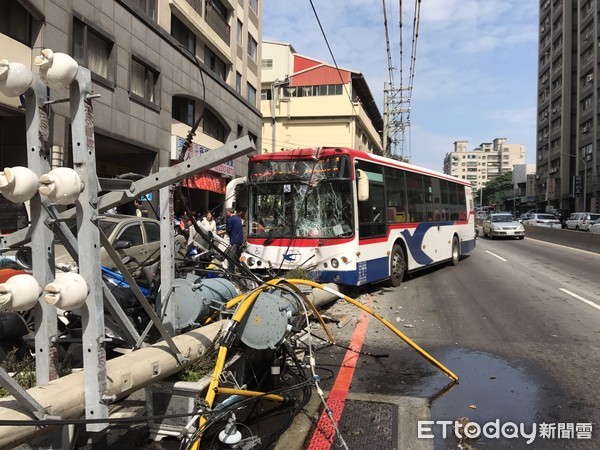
(209, 222)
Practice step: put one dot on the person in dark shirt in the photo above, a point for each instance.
(235, 230)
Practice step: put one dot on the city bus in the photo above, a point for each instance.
(353, 218)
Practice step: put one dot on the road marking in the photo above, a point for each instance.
(499, 257)
(324, 432)
(586, 301)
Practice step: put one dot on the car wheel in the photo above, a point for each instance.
(521, 237)
(397, 266)
(576, 227)
(455, 252)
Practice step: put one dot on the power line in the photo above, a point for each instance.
(333, 57)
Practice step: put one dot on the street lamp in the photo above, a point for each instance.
(584, 175)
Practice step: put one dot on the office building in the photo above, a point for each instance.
(567, 106)
(484, 163)
(157, 66)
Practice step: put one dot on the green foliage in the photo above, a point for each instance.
(22, 370)
(204, 366)
(499, 184)
(297, 274)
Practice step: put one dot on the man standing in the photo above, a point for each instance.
(235, 231)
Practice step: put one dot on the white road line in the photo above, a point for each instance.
(588, 302)
(499, 257)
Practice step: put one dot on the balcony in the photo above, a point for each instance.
(218, 24)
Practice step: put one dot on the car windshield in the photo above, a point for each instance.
(502, 218)
(106, 226)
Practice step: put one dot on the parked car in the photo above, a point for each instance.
(595, 227)
(141, 233)
(581, 221)
(502, 225)
(542, 220)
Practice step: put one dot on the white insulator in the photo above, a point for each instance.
(15, 78)
(18, 184)
(67, 292)
(58, 70)
(20, 292)
(61, 185)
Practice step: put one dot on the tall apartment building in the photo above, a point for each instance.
(157, 65)
(567, 121)
(309, 103)
(483, 163)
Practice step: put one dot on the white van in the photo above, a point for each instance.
(581, 221)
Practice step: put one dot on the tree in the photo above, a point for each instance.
(501, 183)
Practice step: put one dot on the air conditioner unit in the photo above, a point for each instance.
(553, 170)
(588, 157)
(589, 78)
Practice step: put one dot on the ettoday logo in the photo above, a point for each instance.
(507, 430)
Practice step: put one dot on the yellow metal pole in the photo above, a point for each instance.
(401, 335)
(245, 393)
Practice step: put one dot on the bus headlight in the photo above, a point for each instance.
(250, 261)
(335, 263)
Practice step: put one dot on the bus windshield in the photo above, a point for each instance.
(301, 210)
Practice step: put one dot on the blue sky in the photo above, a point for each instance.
(475, 69)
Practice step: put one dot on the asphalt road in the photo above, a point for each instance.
(517, 321)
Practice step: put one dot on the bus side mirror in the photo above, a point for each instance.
(362, 182)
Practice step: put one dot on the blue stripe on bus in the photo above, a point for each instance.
(367, 272)
(378, 269)
(467, 246)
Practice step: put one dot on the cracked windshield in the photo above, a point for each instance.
(301, 198)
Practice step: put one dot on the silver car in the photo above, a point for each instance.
(141, 234)
(595, 227)
(502, 225)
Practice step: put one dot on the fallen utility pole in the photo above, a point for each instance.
(126, 374)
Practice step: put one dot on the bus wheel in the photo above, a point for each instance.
(397, 266)
(455, 252)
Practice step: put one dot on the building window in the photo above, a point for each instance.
(16, 22)
(184, 110)
(238, 83)
(251, 94)
(252, 47)
(215, 63)
(146, 7)
(253, 5)
(266, 63)
(586, 152)
(143, 81)
(240, 35)
(212, 126)
(265, 94)
(586, 103)
(92, 50)
(217, 17)
(310, 91)
(183, 34)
